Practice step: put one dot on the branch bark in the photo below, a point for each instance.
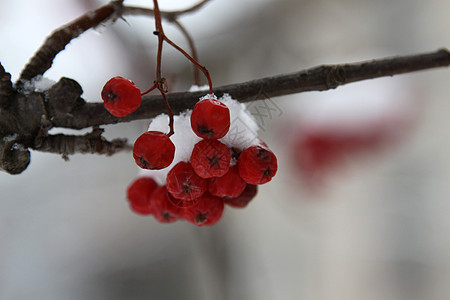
(6, 88)
(319, 78)
(92, 143)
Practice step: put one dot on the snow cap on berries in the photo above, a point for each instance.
(184, 140)
(242, 133)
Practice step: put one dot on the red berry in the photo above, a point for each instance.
(229, 185)
(153, 150)
(210, 119)
(184, 185)
(138, 194)
(207, 211)
(257, 164)
(162, 208)
(121, 96)
(242, 201)
(210, 158)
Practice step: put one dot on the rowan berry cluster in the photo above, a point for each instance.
(211, 171)
(195, 188)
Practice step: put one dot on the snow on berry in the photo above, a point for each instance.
(257, 164)
(229, 185)
(121, 96)
(138, 194)
(162, 207)
(207, 211)
(153, 150)
(210, 158)
(244, 198)
(210, 118)
(183, 139)
(183, 184)
(243, 131)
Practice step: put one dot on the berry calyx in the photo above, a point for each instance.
(138, 194)
(229, 185)
(162, 208)
(207, 211)
(184, 185)
(210, 158)
(257, 164)
(244, 198)
(121, 96)
(210, 119)
(153, 150)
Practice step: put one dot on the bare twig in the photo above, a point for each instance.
(315, 79)
(160, 82)
(42, 60)
(57, 41)
(170, 15)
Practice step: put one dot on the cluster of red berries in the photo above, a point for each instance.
(216, 174)
(146, 197)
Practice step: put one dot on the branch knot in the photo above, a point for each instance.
(334, 76)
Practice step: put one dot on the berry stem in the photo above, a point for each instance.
(149, 90)
(195, 62)
(171, 130)
(160, 82)
(193, 50)
(172, 17)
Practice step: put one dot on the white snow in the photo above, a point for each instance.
(184, 140)
(9, 138)
(196, 88)
(242, 133)
(37, 84)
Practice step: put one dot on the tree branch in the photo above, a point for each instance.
(24, 122)
(91, 142)
(315, 79)
(57, 41)
(6, 88)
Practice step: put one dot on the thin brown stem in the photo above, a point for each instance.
(169, 109)
(196, 63)
(192, 48)
(149, 90)
(171, 17)
(160, 82)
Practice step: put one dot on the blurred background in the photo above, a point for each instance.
(359, 208)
